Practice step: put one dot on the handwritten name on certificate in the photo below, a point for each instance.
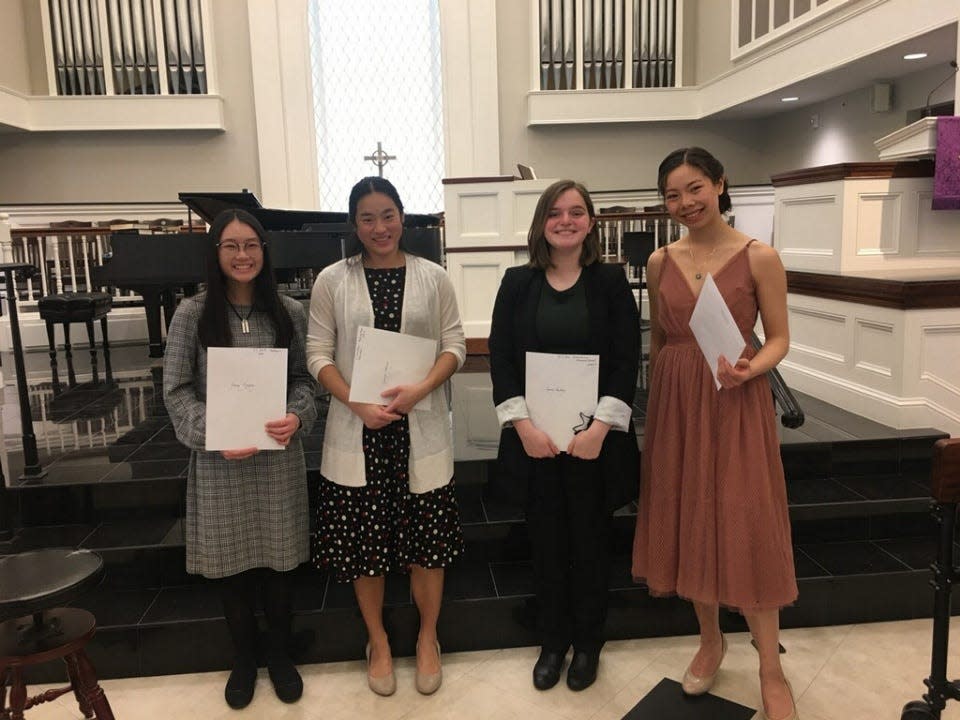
(561, 393)
(385, 359)
(246, 388)
(715, 329)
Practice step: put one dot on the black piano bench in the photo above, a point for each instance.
(68, 308)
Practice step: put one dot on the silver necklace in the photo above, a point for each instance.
(244, 324)
(699, 268)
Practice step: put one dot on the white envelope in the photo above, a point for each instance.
(561, 393)
(715, 329)
(385, 359)
(246, 389)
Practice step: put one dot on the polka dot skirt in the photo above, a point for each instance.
(383, 527)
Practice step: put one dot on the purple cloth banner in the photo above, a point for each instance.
(946, 174)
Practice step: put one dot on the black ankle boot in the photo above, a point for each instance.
(287, 683)
(583, 670)
(239, 690)
(546, 673)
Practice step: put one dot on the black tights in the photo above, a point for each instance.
(239, 596)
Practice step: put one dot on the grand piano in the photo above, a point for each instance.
(155, 266)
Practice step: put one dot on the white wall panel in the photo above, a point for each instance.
(819, 334)
(476, 431)
(878, 223)
(807, 226)
(875, 349)
(937, 232)
(939, 356)
(479, 218)
(476, 279)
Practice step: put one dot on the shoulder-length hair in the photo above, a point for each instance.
(214, 327)
(353, 248)
(703, 161)
(537, 243)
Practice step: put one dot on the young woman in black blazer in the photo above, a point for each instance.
(566, 301)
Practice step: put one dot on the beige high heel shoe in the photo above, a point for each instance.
(695, 685)
(429, 683)
(793, 713)
(386, 685)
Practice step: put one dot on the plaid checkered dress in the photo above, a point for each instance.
(241, 514)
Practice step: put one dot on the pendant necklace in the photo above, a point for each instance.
(244, 324)
(699, 268)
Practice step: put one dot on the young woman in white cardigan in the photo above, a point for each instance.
(386, 497)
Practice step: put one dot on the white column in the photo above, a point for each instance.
(283, 99)
(471, 115)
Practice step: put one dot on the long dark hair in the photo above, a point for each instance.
(537, 243)
(368, 186)
(214, 327)
(704, 162)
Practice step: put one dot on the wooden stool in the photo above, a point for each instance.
(69, 308)
(32, 583)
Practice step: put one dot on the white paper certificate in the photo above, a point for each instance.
(715, 329)
(385, 359)
(246, 388)
(561, 393)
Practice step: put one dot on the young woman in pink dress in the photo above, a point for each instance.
(712, 525)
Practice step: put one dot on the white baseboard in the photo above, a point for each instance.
(897, 412)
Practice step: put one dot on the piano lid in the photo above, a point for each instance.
(210, 204)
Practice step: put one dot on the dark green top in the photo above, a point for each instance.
(562, 322)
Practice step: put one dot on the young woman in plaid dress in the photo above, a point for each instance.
(246, 519)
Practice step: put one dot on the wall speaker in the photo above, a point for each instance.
(881, 97)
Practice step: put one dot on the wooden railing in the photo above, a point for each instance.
(614, 225)
(66, 253)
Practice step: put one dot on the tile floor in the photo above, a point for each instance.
(850, 672)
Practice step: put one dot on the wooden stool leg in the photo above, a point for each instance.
(74, 674)
(90, 688)
(106, 350)
(51, 339)
(18, 694)
(68, 352)
(93, 353)
(3, 693)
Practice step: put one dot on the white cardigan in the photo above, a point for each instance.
(339, 304)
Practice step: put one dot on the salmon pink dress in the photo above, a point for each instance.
(712, 524)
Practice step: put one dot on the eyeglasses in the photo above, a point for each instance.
(250, 248)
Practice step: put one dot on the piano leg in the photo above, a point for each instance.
(51, 338)
(169, 306)
(106, 351)
(151, 304)
(68, 353)
(93, 353)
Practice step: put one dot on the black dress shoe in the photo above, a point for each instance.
(239, 690)
(546, 673)
(583, 670)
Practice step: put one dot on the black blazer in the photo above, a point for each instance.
(614, 336)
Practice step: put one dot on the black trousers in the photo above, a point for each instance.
(569, 527)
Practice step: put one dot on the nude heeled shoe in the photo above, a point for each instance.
(429, 683)
(386, 685)
(793, 713)
(694, 685)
